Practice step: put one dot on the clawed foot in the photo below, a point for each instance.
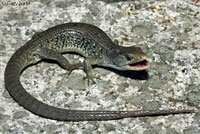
(91, 78)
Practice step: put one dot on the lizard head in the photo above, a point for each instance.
(130, 58)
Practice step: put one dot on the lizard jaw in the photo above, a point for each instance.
(142, 65)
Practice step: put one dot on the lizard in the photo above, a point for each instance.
(97, 49)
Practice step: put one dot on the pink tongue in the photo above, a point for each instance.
(140, 64)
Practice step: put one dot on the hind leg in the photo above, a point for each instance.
(45, 53)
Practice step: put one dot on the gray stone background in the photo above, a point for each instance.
(167, 30)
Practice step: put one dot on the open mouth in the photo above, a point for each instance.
(142, 65)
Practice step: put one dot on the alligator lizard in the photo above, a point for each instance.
(96, 48)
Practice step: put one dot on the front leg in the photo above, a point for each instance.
(88, 70)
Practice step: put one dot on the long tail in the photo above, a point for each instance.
(19, 94)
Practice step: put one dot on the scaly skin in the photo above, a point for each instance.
(97, 48)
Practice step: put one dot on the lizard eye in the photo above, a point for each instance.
(128, 57)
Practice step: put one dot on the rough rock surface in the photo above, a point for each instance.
(168, 31)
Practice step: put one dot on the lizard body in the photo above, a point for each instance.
(97, 49)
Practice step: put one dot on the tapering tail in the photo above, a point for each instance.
(19, 94)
